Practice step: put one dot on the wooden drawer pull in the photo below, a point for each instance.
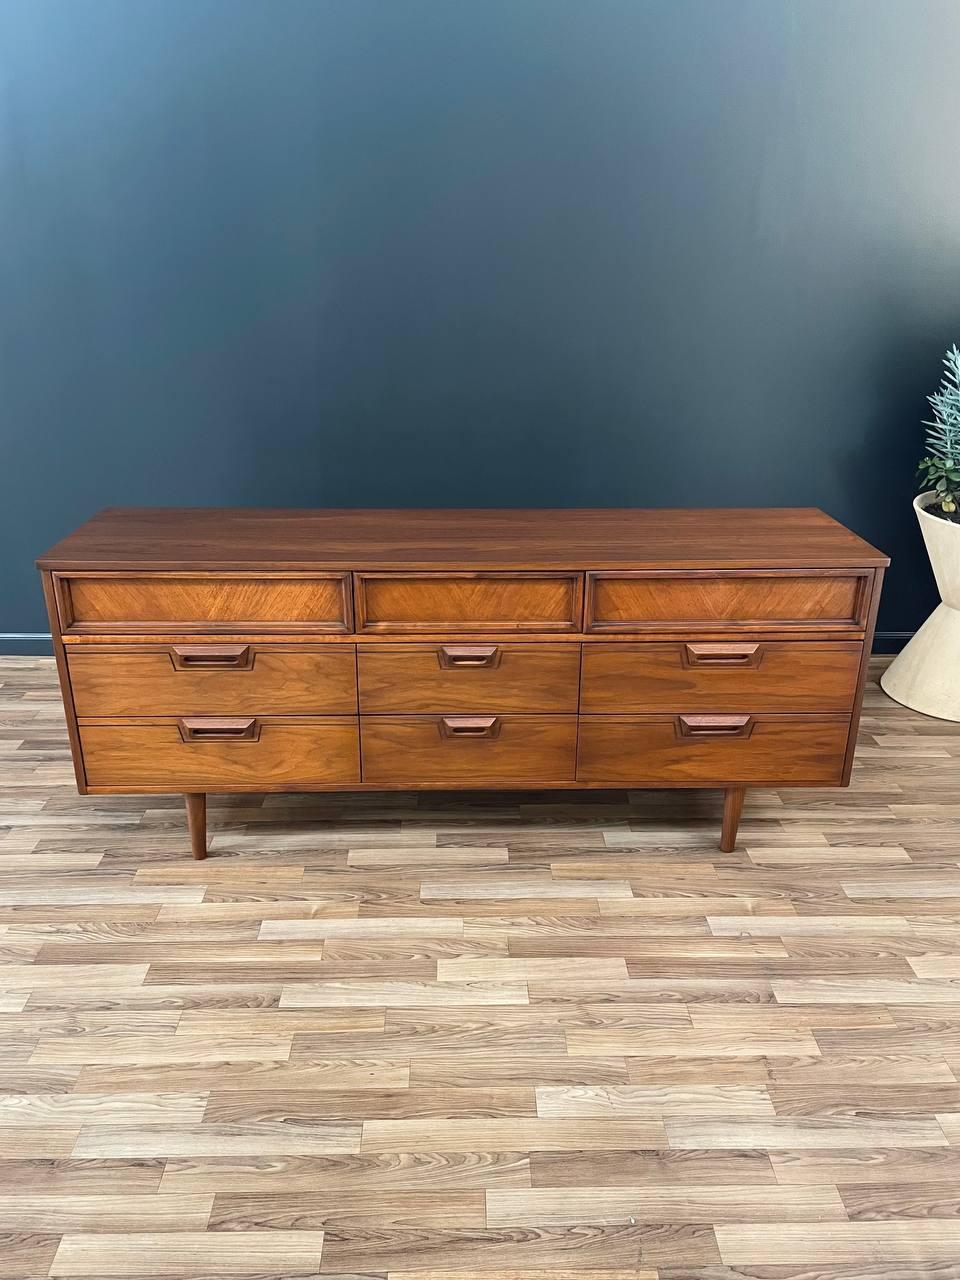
(722, 655)
(714, 726)
(468, 655)
(188, 657)
(219, 728)
(469, 726)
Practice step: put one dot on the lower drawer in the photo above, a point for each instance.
(207, 753)
(702, 750)
(469, 750)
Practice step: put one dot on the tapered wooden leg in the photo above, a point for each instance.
(732, 808)
(197, 822)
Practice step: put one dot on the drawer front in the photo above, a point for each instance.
(207, 753)
(705, 601)
(474, 750)
(117, 602)
(774, 750)
(468, 602)
(738, 675)
(229, 679)
(469, 677)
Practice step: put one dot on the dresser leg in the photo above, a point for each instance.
(732, 808)
(197, 822)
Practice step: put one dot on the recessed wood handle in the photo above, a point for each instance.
(190, 657)
(714, 726)
(468, 655)
(722, 655)
(469, 726)
(219, 728)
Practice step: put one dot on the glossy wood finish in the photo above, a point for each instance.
(51, 603)
(196, 803)
(423, 749)
(468, 602)
(750, 599)
(219, 728)
(755, 675)
(134, 680)
(472, 1037)
(150, 754)
(796, 750)
(508, 676)
(212, 539)
(218, 649)
(732, 808)
(115, 602)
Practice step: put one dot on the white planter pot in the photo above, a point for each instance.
(926, 675)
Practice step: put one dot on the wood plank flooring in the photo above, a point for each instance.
(508, 1037)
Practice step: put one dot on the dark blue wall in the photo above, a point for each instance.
(486, 252)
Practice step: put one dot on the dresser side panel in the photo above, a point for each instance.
(63, 674)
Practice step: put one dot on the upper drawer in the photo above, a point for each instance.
(707, 600)
(465, 602)
(225, 679)
(747, 675)
(173, 602)
(509, 676)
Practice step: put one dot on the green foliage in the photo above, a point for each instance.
(939, 470)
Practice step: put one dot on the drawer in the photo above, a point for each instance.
(795, 599)
(208, 753)
(738, 675)
(773, 750)
(469, 750)
(118, 602)
(465, 602)
(469, 677)
(229, 679)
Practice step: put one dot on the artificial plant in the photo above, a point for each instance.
(939, 469)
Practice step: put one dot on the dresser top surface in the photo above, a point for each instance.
(211, 538)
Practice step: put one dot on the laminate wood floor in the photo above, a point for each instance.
(516, 1037)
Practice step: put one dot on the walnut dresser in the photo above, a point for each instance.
(241, 649)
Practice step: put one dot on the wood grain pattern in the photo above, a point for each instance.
(203, 538)
(773, 675)
(505, 1135)
(701, 601)
(681, 1204)
(151, 755)
(780, 749)
(367, 1174)
(112, 602)
(189, 1253)
(459, 1249)
(412, 750)
(592, 1048)
(471, 601)
(260, 1138)
(128, 680)
(842, 1242)
(554, 1273)
(124, 1211)
(518, 677)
